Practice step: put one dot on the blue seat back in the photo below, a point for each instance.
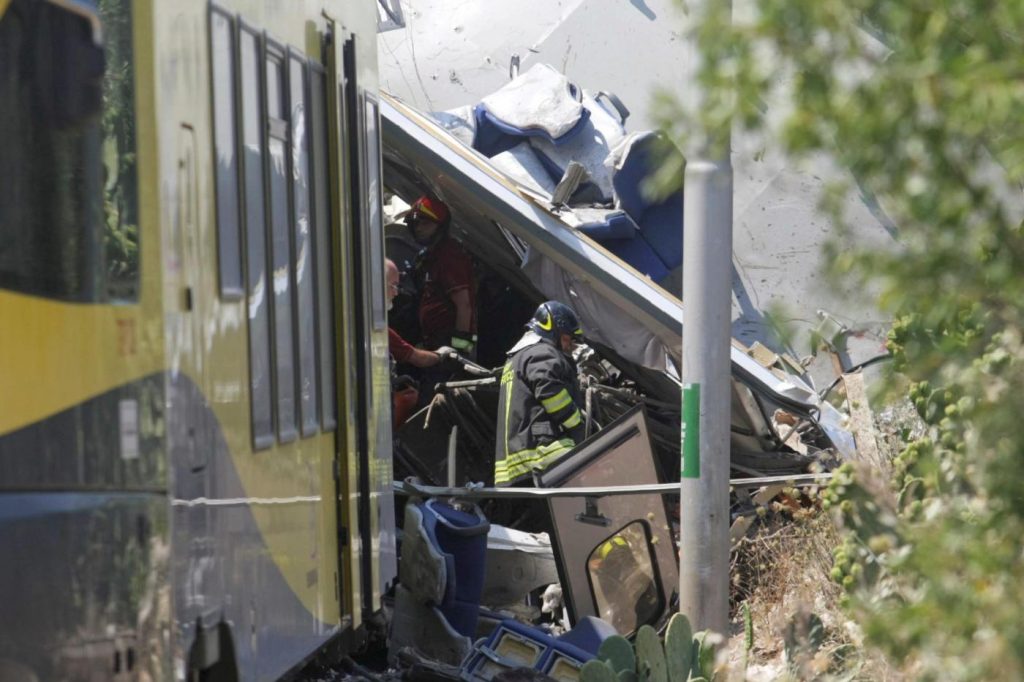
(462, 538)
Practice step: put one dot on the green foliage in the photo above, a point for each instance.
(920, 101)
(120, 234)
(682, 657)
(748, 633)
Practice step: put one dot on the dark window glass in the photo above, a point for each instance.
(222, 51)
(281, 245)
(68, 211)
(373, 214)
(324, 249)
(256, 242)
(621, 572)
(304, 248)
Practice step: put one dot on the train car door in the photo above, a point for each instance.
(189, 420)
(346, 468)
(188, 357)
(615, 554)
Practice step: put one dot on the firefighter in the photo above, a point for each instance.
(539, 415)
(445, 279)
(446, 282)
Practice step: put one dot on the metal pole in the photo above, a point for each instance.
(707, 310)
(453, 447)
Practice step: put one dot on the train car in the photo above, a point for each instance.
(194, 419)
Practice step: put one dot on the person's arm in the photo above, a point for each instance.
(403, 351)
(551, 379)
(423, 358)
(463, 311)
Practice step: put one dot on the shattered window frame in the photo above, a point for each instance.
(389, 15)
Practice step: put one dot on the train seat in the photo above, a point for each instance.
(659, 221)
(539, 103)
(441, 576)
(516, 645)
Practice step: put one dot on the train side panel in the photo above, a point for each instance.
(195, 400)
(84, 528)
(254, 434)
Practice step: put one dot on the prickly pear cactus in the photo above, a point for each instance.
(650, 656)
(617, 652)
(679, 648)
(597, 671)
(703, 656)
(628, 676)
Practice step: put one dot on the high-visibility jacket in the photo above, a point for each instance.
(539, 417)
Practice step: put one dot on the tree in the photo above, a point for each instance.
(920, 100)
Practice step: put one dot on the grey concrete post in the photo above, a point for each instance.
(707, 337)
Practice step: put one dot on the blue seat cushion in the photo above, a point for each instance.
(629, 177)
(588, 634)
(490, 139)
(462, 616)
(638, 253)
(661, 226)
(463, 537)
(490, 119)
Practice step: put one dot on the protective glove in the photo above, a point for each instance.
(463, 342)
(451, 361)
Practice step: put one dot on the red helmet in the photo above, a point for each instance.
(431, 209)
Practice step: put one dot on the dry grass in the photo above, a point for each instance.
(780, 574)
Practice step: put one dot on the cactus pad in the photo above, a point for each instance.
(650, 656)
(679, 648)
(597, 671)
(703, 656)
(618, 653)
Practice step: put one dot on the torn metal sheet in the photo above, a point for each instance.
(518, 563)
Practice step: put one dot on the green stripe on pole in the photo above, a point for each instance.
(691, 431)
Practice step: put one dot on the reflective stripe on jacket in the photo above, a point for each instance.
(538, 412)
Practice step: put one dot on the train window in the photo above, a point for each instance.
(276, 164)
(68, 206)
(322, 238)
(622, 581)
(257, 280)
(304, 256)
(222, 57)
(373, 214)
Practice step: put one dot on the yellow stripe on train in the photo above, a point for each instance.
(55, 355)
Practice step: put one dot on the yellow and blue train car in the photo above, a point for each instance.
(194, 417)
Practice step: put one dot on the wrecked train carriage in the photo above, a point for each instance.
(633, 325)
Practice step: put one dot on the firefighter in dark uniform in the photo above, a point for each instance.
(539, 416)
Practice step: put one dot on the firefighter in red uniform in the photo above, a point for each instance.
(447, 285)
(444, 273)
